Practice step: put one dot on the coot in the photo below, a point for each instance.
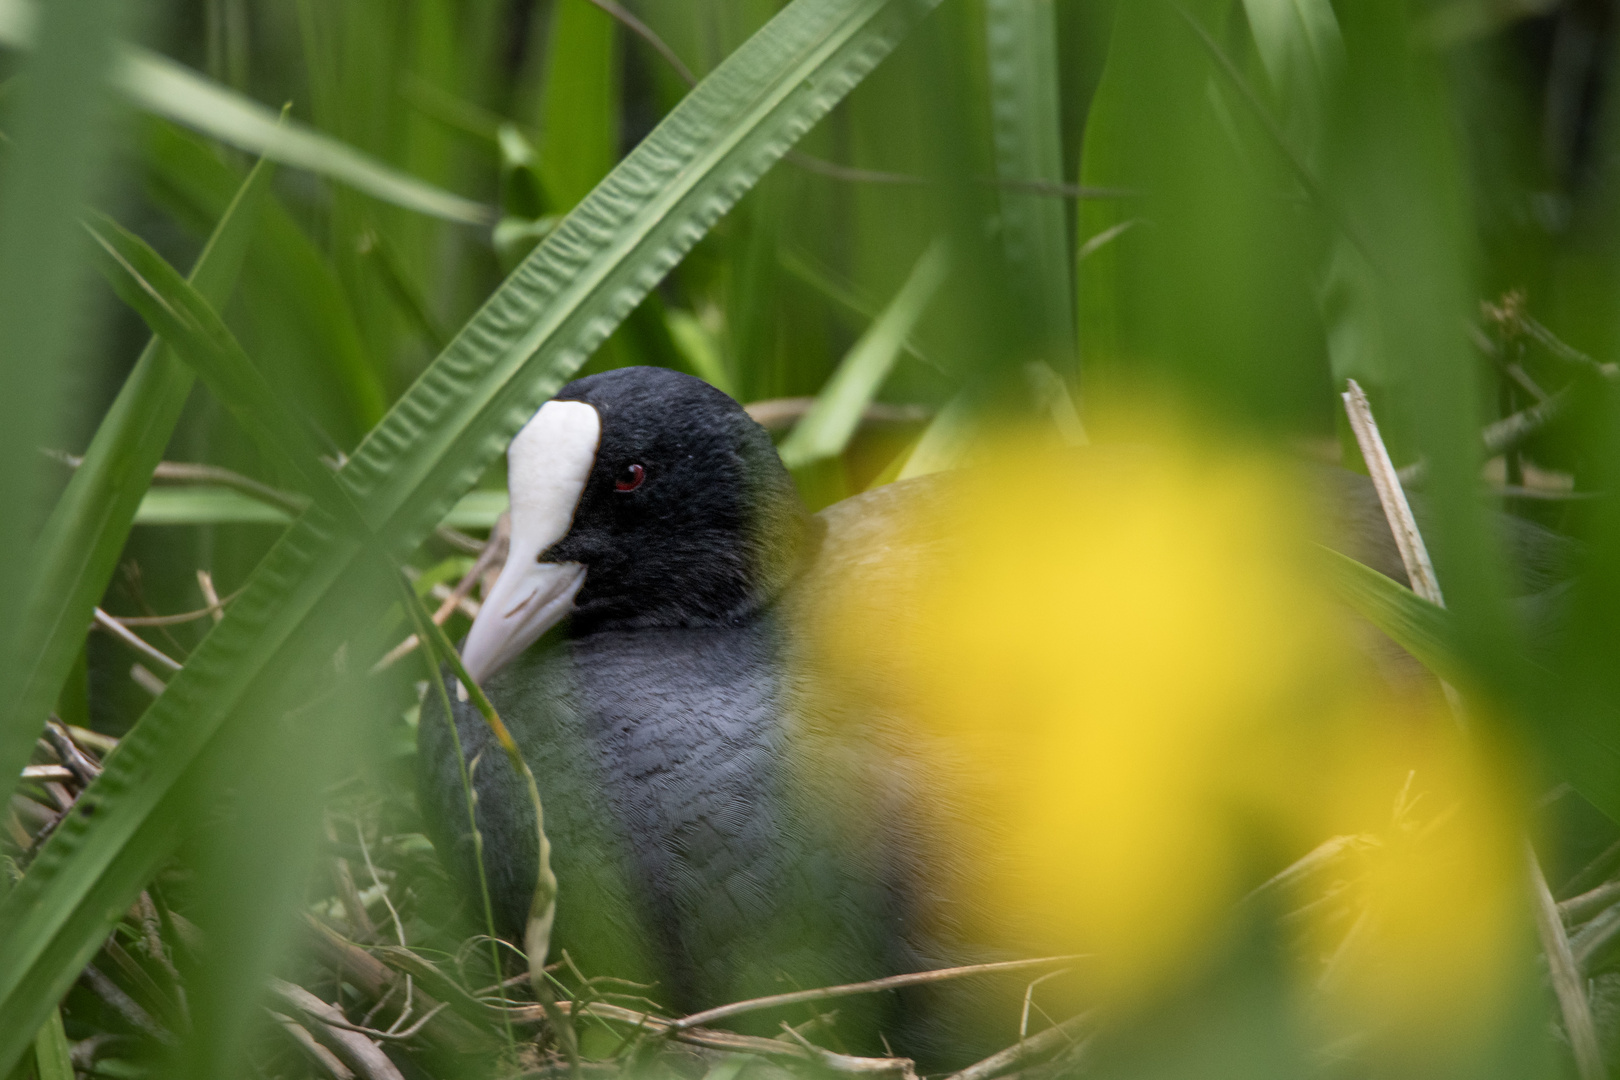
(713, 834)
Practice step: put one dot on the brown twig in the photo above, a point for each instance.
(366, 973)
(205, 583)
(357, 1051)
(778, 414)
(1026, 1051)
(1577, 909)
(892, 982)
(712, 1039)
(124, 1005)
(84, 768)
(389, 1036)
(322, 1058)
(845, 1063)
(467, 545)
(146, 680)
(93, 740)
(128, 637)
(178, 619)
(185, 472)
(1318, 858)
(1562, 964)
(1591, 941)
(348, 894)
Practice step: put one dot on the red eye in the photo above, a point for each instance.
(630, 478)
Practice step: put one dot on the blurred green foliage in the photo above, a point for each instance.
(1029, 211)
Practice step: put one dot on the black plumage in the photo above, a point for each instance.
(659, 722)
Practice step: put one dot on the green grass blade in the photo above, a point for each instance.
(1419, 627)
(698, 349)
(824, 431)
(79, 547)
(206, 504)
(297, 318)
(945, 441)
(53, 1058)
(183, 317)
(1303, 54)
(579, 110)
(56, 131)
(158, 85)
(519, 348)
(1021, 39)
(1102, 226)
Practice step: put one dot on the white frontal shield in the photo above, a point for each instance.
(547, 466)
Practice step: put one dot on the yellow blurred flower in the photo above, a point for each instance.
(1129, 692)
(1413, 937)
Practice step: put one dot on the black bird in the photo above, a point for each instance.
(695, 846)
(653, 512)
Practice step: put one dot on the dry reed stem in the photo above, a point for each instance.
(892, 982)
(1566, 976)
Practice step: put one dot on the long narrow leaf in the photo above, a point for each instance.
(538, 328)
(54, 148)
(944, 443)
(159, 85)
(52, 1056)
(579, 113)
(79, 546)
(824, 431)
(1419, 627)
(1021, 39)
(183, 317)
(211, 505)
(297, 306)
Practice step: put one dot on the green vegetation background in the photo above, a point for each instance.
(1239, 204)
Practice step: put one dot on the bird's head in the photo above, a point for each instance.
(641, 497)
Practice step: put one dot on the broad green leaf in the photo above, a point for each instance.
(1215, 291)
(1021, 40)
(309, 594)
(158, 85)
(824, 431)
(56, 133)
(79, 546)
